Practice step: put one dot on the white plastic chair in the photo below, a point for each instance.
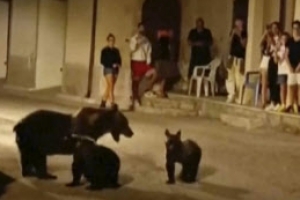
(211, 78)
(199, 77)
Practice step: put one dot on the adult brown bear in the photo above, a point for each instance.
(43, 133)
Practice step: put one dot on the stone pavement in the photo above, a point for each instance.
(14, 108)
(259, 164)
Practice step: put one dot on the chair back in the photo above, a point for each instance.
(214, 64)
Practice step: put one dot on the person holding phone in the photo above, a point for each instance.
(236, 67)
(111, 62)
(273, 68)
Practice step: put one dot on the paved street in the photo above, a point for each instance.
(236, 165)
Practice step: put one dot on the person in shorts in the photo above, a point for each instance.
(293, 58)
(283, 69)
(111, 62)
(141, 51)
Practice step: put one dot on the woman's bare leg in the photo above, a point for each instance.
(106, 91)
(112, 89)
(109, 80)
(283, 94)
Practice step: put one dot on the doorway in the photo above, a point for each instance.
(51, 42)
(240, 10)
(4, 33)
(162, 14)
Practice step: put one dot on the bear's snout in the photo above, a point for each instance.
(128, 132)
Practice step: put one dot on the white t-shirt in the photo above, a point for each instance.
(140, 48)
(282, 64)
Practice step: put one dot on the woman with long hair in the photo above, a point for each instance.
(266, 43)
(111, 62)
(273, 68)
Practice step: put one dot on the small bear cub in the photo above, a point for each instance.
(98, 164)
(187, 153)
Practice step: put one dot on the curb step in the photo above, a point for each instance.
(167, 111)
(241, 121)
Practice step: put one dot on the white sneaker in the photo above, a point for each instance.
(150, 95)
(277, 107)
(270, 107)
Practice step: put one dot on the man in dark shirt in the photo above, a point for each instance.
(293, 58)
(200, 39)
(236, 66)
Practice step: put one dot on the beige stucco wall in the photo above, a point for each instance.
(297, 9)
(3, 37)
(79, 23)
(271, 11)
(51, 43)
(22, 55)
(120, 18)
(290, 12)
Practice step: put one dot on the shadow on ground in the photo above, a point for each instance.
(223, 191)
(205, 172)
(5, 180)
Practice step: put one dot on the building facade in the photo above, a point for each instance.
(56, 43)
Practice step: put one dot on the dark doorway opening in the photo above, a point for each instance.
(162, 14)
(240, 10)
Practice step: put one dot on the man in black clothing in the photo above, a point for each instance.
(293, 58)
(200, 39)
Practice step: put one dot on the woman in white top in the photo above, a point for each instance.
(283, 70)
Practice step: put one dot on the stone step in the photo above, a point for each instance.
(184, 104)
(167, 111)
(242, 121)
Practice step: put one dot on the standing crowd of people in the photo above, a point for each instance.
(280, 68)
(280, 64)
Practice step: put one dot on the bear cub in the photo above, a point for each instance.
(187, 153)
(98, 164)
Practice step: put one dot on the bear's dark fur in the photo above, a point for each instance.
(187, 153)
(98, 164)
(44, 133)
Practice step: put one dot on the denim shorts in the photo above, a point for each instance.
(112, 71)
(282, 79)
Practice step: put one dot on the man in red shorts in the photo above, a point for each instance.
(141, 50)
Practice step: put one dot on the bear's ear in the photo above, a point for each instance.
(178, 134)
(167, 133)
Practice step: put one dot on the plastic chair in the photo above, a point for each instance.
(199, 77)
(211, 78)
(252, 85)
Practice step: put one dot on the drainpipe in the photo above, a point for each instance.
(10, 8)
(92, 50)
